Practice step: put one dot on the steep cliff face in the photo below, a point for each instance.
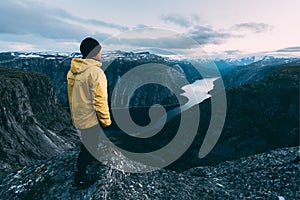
(32, 124)
(145, 95)
(55, 67)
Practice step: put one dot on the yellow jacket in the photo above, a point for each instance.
(87, 93)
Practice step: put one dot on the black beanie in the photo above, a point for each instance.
(89, 47)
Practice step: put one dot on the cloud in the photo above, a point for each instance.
(150, 38)
(36, 25)
(232, 52)
(65, 15)
(254, 27)
(29, 42)
(178, 20)
(202, 34)
(290, 49)
(156, 38)
(141, 26)
(161, 42)
(29, 18)
(206, 35)
(19, 46)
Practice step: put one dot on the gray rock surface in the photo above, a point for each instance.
(262, 176)
(33, 125)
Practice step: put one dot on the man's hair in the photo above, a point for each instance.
(89, 47)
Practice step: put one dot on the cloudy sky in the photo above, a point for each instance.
(227, 27)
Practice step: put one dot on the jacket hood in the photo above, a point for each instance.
(79, 65)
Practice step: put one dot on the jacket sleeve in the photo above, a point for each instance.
(71, 80)
(99, 95)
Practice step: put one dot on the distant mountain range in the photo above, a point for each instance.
(262, 98)
(220, 62)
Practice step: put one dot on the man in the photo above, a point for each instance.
(87, 94)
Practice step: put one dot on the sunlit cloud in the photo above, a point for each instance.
(21, 47)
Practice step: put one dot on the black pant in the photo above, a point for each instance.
(89, 148)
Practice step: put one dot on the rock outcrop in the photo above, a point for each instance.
(263, 176)
(54, 67)
(33, 125)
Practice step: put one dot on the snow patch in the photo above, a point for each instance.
(30, 56)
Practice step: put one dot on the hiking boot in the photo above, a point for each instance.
(83, 181)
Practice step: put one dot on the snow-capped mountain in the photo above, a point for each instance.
(220, 62)
(230, 64)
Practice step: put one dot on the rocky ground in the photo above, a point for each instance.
(262, 176)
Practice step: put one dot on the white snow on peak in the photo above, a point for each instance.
(30, 56)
